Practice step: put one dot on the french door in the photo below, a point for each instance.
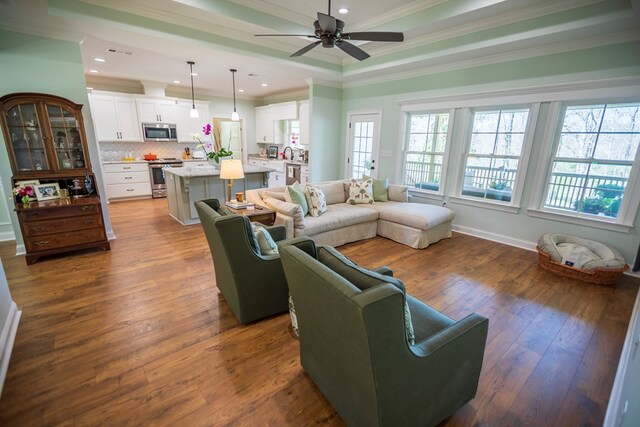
(364, 143)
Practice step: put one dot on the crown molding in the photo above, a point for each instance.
(560, 47)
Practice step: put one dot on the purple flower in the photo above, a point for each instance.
(206, 129)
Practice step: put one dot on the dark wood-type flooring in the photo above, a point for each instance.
(141, 336)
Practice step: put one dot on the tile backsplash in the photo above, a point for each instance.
(110, 151)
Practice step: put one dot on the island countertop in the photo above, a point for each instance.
(198, 171)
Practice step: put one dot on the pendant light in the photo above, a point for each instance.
(194, 112)
(234, 116)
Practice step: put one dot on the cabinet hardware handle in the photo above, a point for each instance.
(41, 243)
(90, 221)
(129, 189)
(127, 167)
(37, 228)
(87, 208)
(91, 236)
(128, 177)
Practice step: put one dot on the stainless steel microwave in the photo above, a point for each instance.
(159, 132)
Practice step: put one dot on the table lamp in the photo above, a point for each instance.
(231, 169)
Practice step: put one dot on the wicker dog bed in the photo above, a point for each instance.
(580, 259)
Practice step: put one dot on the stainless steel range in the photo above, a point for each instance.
(156, 169)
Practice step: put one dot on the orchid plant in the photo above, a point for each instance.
(214, 149)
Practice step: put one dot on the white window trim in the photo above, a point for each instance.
(404, 119)
(628, 209)
(516, 195)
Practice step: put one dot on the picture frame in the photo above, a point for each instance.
(49, 191)
(273, 152)
(31, 182)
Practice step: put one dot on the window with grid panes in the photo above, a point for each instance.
(494, 154)
(362, 148)
(426, 141)
(594, 157)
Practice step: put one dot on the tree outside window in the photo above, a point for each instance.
(426, 141)
(594, 157)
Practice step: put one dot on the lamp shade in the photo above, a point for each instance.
(231, 169)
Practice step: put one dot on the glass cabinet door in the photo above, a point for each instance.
(26, 136)
(67, 141)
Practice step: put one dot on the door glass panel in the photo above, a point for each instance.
(362, 143)
(66, 138)
(26, 138)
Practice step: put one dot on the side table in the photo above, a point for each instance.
(259, 214)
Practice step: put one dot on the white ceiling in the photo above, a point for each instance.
(219, 35)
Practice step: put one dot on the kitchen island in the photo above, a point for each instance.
(187, 185)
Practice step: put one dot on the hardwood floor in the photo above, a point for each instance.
(141, 336)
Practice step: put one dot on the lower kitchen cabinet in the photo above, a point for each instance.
(61, 225)
(127, 180)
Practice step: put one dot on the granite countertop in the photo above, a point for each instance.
(190, 172)
(120, 162)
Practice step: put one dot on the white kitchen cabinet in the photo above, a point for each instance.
(305, 134)
(254, 162)
(276, 179)
(284, 111)
(127, 180)
(186, 126)
(156, 110)
(264, 125)
(115, 118)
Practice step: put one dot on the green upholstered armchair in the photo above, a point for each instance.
(253, 285)
(354, 345)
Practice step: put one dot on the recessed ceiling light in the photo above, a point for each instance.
(241, 90)
(343, 11)
(194, 74)
(99, 59)
(89, 88)
(264, 85)
(93, 71)
(177, 82)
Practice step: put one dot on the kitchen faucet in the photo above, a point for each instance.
(285, 153)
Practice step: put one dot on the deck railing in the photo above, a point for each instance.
(566, 188)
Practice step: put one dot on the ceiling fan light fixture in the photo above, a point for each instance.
(194, 112)
(234, 116)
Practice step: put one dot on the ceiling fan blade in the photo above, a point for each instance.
(285, 35)
(375, 36)
(327, 23)
(306, 49)
(352, 50)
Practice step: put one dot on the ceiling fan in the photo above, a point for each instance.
(328, 32)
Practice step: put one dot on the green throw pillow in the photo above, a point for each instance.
(380, 187)
(295, 194)
(266, 244)
(365, 279)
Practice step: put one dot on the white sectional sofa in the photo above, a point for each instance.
(413, 224)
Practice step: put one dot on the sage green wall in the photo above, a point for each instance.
(6, 229)
(37, 64)
(327, 150)
(592, 64)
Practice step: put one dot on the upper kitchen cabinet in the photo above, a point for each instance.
(187, 126)
(156, 110)
(115, 118)
(264, 125)
(284, 111)
(44, 135)
(303, 116)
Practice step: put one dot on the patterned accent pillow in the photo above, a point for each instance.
(361, 192)
(290, 209)
(266, 244)
(315, 199)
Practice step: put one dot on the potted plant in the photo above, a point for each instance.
(214, 149)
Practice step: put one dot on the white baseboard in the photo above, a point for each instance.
(7, 339)
(6, 236)
(111, 235)
(20, 249)
(500, 238)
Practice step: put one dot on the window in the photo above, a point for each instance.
(494, 156)
(425, 146)
(593, 160)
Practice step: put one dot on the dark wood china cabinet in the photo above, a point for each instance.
(46, 141)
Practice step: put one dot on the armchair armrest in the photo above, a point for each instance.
(470, 332)
(277, 232)
(384, 270)
(303, 243)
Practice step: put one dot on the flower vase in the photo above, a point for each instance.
(25, 200)
(213, 163)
